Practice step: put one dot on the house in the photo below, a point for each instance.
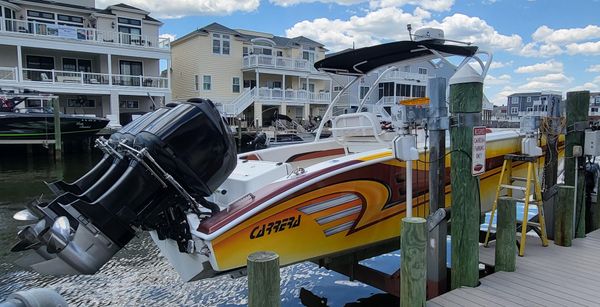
(530, 103)
(594, 112)
(251, 75)
(104, 62)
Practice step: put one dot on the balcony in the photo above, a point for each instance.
(277, 62)
(402, 75)
(289, 95)
(91, 79)
(61, 32)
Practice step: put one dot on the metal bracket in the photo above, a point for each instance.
(549, 193)
(438, 123)
(465, 119)
(578, 127)
(437, 217)
(103, 145)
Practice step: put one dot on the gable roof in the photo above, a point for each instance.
(279, 41)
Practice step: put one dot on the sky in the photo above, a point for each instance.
(537, 44)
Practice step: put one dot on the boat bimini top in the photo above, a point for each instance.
(429, 45)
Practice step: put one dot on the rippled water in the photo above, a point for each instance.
(138, 275)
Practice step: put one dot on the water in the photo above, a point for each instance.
(138, 275)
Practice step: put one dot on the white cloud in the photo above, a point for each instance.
(473, 29)
(565, 36)
(554, 78)
(286, 3)
(181, 8)
(388, 23)
(499, 64)
(502, 79)
(589, 48)
(546, 67)
(169, 36)
(594, 68)
(433, 5)
(376, 26)
(543, 50)
(593, 85)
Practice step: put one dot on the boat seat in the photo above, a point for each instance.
(361, 128)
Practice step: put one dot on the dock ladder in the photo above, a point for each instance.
(531, 197)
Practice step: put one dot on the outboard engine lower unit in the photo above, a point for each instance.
(156, 171)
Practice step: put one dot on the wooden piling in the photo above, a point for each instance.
(506, 235)
(413, 255)
(263, 280)
(551, 131)
(595, 212)
(563, 217)
(465, 106)
(577, 116)
(57, 132)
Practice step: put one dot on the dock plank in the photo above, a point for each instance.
(546, 276)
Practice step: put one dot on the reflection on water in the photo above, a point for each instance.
(138, 275)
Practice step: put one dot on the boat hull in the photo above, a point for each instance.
(14, 126)
(348, 206)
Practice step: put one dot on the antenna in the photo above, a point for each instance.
(409, 28)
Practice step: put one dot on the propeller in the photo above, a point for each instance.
(29, 236)
(60, 235)
(25, 215)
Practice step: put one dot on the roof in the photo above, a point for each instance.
(535, 93)
(93, 9)
(363, 60)
(279, 41)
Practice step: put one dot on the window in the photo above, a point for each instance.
(403, 90)
(279, 53)
(363, 91)
(42, 15)
(68, 20)
(276, 84)
(422, 71)
(129, 104)
(197, 82)
(262, 50)
(598, 99)
(308, 55)
(418, 91)
(514, 110)
(235, 84)
(206, 83)
(130, 71)
(221, 43)
(406, 68)
(244, 51)
(528, 99)
(529, 109)
(82, 65)
(338, 88)
(386, 89)
(594, 109)
(515, 100)
(311, 87)
(132, 29)
(81, 103)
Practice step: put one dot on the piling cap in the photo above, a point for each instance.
(466, 74)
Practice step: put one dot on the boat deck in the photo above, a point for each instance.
(546, 276)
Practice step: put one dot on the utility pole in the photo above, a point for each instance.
(437, 125)
(578, 104)
(466, 97)
(551, 132)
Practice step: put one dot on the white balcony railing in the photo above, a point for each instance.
(92, 78)
(269, 61)
(289, 95)
(8, 74)
(402, 75)
(273, 95)
(33, 28)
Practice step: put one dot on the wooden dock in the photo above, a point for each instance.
(546, 276)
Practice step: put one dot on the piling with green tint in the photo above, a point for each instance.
(57, 132)
(563, 219)
(413, 255)
(465, 106)
(263, 280)
(506, 235)
(577, 116)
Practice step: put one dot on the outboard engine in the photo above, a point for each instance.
(156, 171)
